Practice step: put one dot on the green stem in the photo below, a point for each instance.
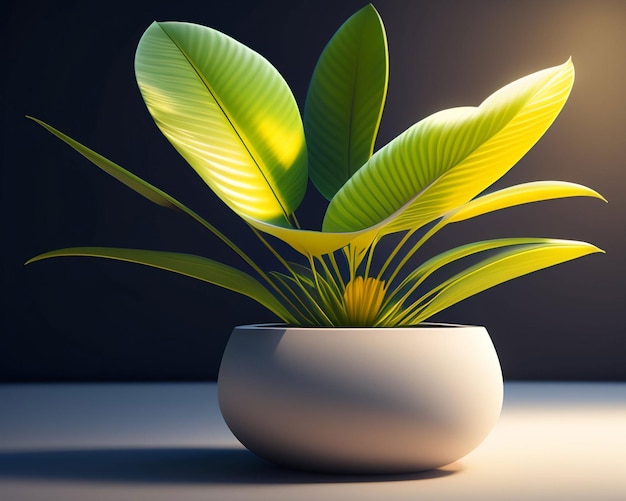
(305, 314)
(335, 266)
(331, 279)
(296, 223)
(350, 255)
(332, 287)
(393, 254)
(318, 288)
(293, 273)
(414, 248)
(398, 303)
(370, 256)
(283, 262)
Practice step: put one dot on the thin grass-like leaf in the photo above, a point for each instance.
(197, 267)
(146, 189)
(520, 194)
(310, 311)
(135, 183)
(502, 199)
(419, 274)
(397, 297)
(505, 266)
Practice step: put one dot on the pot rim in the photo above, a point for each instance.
(422, 326)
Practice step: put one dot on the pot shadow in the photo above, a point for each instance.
(174, 466)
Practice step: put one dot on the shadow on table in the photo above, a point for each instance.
(173, 465)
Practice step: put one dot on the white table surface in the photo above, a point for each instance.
(65, 442)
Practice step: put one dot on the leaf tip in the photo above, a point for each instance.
(33, 259)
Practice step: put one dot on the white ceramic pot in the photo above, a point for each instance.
(360, 400)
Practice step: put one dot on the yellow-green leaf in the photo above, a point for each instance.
(520, 194)
(144, 188)
(419, 274)
(197, 267)
(315, 243)
(505, 266)
(129, 179)
(447, 159)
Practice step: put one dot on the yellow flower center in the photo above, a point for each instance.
(362, 300)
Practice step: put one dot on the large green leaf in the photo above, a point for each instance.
(229, 113)
(505, 266)
(345, 101)
(189, 265)
(447, 159)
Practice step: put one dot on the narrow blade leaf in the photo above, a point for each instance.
(129, 179)
(197, 267)
(521, 194)
(345, 101)
(507, 265)
(144, 188)
(229, 113)
(439, 261)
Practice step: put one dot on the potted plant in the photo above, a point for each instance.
(352, 378)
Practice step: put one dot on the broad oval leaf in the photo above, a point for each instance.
(345, 101)
(229, 113)
(447, 159)
(197, 267)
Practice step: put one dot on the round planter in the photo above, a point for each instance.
(360, 400)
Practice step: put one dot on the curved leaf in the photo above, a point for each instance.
(447, 159)
(345, 101)
(144, 188)
(394, 303)
(129, 179)
(229, 113)
(189, 265)
(519, 194)
(316, 243)
(505, 266)
(437, 262)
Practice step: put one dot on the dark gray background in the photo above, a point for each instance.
(71, 64)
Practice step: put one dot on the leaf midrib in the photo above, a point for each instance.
(352, 105)
(249, 149)
(389, 219)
